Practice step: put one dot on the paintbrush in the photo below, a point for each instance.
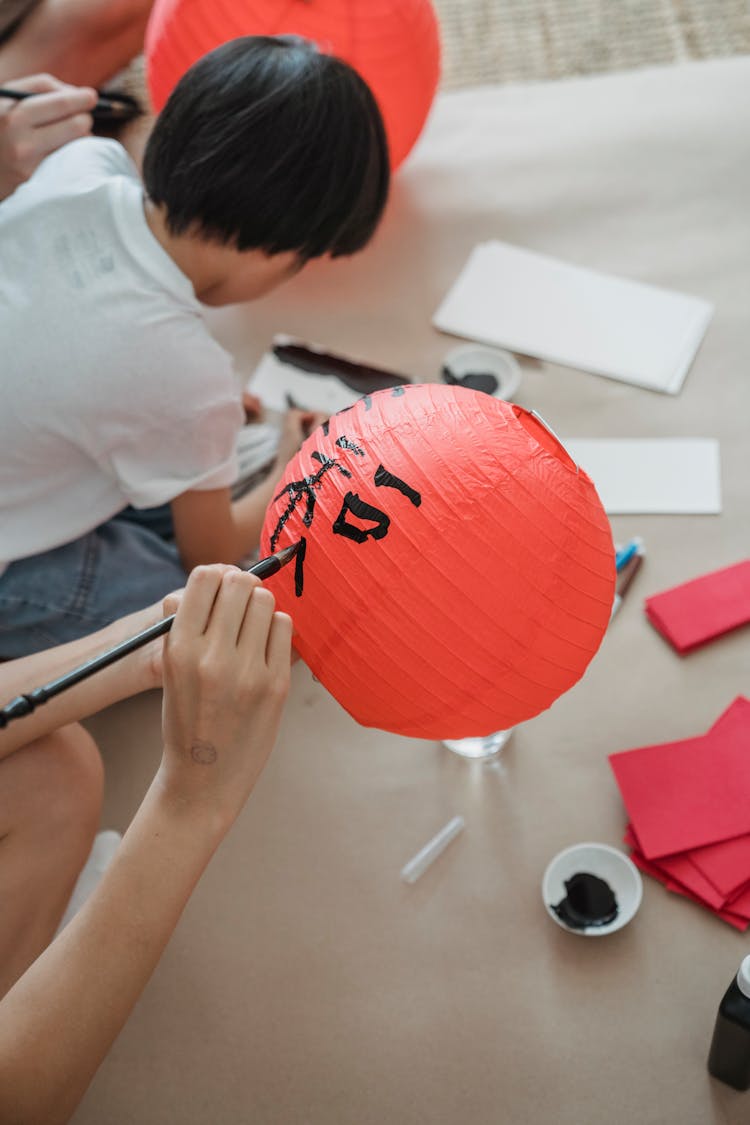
(27, 702)
(109, 107)
(626, 576)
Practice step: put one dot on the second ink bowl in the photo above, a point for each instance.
(591, 889)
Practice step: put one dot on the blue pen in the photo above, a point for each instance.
(623, 556)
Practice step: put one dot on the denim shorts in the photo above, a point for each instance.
(65, 593)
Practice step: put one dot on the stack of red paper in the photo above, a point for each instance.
(689, 808)
(696, 612)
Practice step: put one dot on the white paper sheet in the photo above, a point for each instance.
(652, 475)
(542, 307)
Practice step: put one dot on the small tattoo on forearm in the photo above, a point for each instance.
(204, 753)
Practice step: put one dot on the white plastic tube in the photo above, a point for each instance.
(429, 853)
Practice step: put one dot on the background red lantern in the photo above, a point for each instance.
(458, 570)
(393, 44)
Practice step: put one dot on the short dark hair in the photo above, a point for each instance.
(268, 143)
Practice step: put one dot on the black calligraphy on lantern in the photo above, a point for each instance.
(305, 489)
(372, 522)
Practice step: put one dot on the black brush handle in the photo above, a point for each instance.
(29, 701)
(109, 107)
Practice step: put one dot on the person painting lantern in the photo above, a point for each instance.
(457, 568)
(235, 200)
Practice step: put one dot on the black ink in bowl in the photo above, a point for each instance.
(473, 380)
(590, 901)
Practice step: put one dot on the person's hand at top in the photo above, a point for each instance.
(226, 677)
(33, 128)
(297, 425)
(253, 407)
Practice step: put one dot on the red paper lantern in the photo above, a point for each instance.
(458, 568)
(393, 44)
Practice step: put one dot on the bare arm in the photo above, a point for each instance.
(226, 676)
(133, 674)
(209, 528)
(63, 1015)
(82, 41)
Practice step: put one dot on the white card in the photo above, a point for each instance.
(652, 475)
(542, 307)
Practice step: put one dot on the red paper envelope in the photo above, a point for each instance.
(695, 612)
(738, 709)
(680, 869)
(726, 865)
(741, 904)
(739, 921)
(686, 794)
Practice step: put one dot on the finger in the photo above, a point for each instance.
(48, 108)
(230, 607)
(253, 638)
(49, 138)
(252, 405)
(313, 419)
(279, 646)
(311, 422)
(298, 423)
(194, 610)
(35, 84)
(172, 601)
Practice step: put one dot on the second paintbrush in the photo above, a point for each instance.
(626, 576)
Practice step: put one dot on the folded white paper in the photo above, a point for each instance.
(541, 307)
(652, 475)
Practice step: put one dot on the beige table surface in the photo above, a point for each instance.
(306, 983)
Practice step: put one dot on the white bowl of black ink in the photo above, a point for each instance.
(591, 889)
(492, 370)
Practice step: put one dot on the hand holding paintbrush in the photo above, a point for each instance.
(62, 101)
(39, 114)
(298, 424)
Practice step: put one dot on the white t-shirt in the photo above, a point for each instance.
(112, 391)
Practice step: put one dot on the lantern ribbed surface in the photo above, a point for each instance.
(393, 44)
(458, 572)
